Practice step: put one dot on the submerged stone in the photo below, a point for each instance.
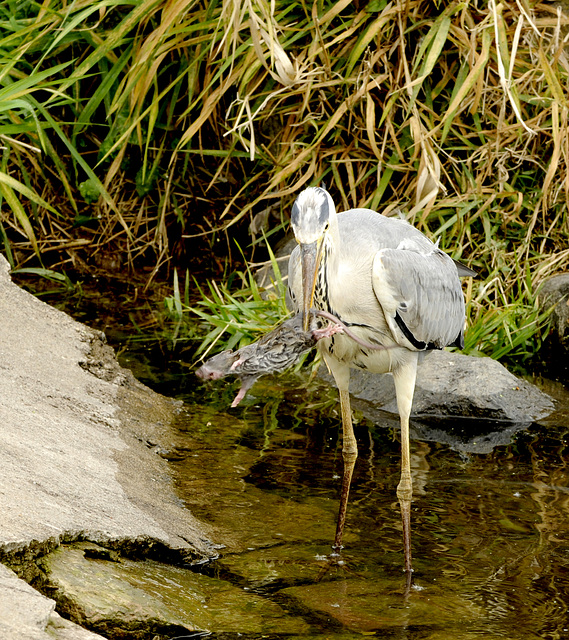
(366, 605)
(279, 566)
(132, 599)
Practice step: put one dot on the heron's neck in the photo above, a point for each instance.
(327, 272)
(332, 247)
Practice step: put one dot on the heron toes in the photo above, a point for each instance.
(327, 332)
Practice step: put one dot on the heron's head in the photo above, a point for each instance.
(312, 214)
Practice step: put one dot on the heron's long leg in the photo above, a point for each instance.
(404, 377)
(349, 455)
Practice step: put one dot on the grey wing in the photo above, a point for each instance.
(421, 296)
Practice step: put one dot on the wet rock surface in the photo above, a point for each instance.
(365, 606)
(134, 600)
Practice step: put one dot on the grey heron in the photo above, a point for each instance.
(394, 288)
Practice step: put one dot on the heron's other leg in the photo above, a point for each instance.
(404, 377)
(341, 374)
(349, 455)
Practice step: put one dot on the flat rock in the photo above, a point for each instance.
(75, 446)
(363, 606)
(139, 599)
(67, 442)
(454, 385)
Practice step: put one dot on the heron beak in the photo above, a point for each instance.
(310, 261)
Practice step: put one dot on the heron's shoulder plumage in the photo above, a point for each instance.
(372, 230)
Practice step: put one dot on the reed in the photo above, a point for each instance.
(137, 127)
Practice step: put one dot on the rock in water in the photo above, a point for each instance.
(555, 349)
(457, 386)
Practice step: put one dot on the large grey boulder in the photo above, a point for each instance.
(75, 454)
(471, 404)
(452, 384)
(71, 454)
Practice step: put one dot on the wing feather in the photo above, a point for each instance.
(420, 294)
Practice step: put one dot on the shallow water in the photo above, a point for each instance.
(490, 531)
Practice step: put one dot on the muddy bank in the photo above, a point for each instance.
(79, 457)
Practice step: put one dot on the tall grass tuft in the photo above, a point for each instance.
(131, 128)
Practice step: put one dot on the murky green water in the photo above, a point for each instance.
(490, 531)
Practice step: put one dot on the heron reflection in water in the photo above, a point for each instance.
(394, 289)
